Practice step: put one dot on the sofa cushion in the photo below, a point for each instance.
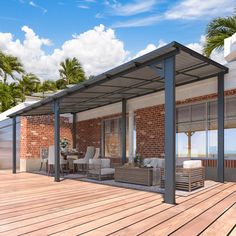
(161, 163)
(107, 171)
(180, 161)
(80, 161)
(154, 162)
(105, 163)
(192, 164)
(146, 161)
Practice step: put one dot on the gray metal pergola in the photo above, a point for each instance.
(163, 69)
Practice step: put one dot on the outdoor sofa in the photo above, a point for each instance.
(148, 174)
(189, 176)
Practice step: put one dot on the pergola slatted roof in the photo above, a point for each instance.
(141, 76)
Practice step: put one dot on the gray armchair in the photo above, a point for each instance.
(100, 169)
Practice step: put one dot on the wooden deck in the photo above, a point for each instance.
(32, 204)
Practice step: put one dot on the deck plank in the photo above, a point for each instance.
(140, 223)
(163, 229)
(36, 205)
(187, 215)
(200, 223)
(223, 225)
(73, 214)
(129, 217)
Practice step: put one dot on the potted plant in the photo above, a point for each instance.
(64, 143)
(138, 160)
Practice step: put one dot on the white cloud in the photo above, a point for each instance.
(33, 4)
(97, 49)
(150, 47)
(138, 22)
(185, 9)
(193, 9)
(217, 56)
(83, 6)
(129, 9)
(99, 16)
(89, 1)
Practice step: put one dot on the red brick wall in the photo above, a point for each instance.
(150, 131)
(88, 134)
(38, 131)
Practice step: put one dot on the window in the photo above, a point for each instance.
(113, 138)
(191, 136)
(6, 142)
(230, 127)
(212, 132)
(197, 129)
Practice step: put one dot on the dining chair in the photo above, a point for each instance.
(51, 160)
(43, 158)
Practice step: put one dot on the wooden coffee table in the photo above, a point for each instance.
(134, 175)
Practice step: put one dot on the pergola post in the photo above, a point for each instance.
(14, 145)
(220, 161)
(123, 131)
(102, 140)
(131, 137)
(170, 129)
(74, 131)
(56, 109)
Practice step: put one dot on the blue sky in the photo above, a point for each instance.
(136, 23)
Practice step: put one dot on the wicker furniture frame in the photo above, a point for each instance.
(187, 179)
(81, 168)
(134, 175)
(94, 171)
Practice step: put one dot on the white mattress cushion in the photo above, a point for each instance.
(192, 164)
(154, 162)
(146, 161)
(95, 161)
(106, 163)
(80, 161)
(107, 171)
(161, 163)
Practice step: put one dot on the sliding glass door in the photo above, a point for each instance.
(113, 137)
(196, 134)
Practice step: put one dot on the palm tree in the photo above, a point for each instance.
(71, 72)
(4, 66)
(47, 85)
(9, 65)
(16, 93)
(217, 30)
(29, 84)
(61, 84)
(5, 97)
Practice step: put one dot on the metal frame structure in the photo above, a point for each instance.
(56, 109)
(220, 109)
(14, 145)
(163, 69)
(170, 129)
(74, 131)
(123, 131)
